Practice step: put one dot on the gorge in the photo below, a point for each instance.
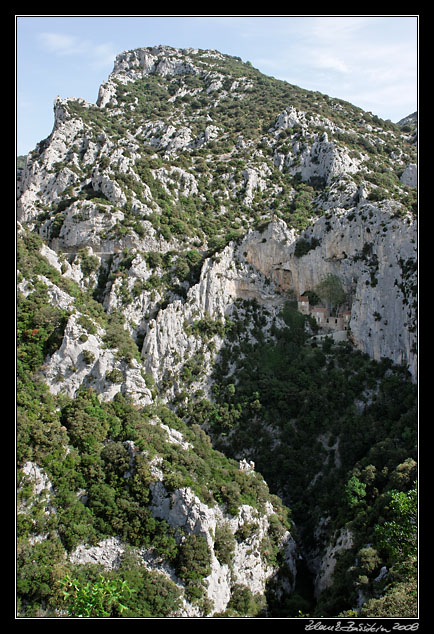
(184, 426)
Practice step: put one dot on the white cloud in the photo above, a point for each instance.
(99, 55)
(329, 60)
(62, 44)
(332, 29)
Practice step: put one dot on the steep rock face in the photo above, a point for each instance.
(40, 175)
(409, 175)
(225, 278)
(373, 251)
(324, 160)
(324, 575)
(82, 361)
(184, 510)
(321, 158)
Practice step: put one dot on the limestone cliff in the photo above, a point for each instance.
(148, 223)
(372, 251)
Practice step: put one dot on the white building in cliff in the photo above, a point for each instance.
(322, 316)
(303, 305)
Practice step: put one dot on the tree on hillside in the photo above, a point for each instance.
(331, 292)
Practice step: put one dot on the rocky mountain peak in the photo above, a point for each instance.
(164, 61)
(161, 60)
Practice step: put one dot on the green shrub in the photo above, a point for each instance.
(194, 558)
(88, 263)
(398, 536)
(355, 491)
(303, 246)
(101, 598)
(114, 376)
(88, 356)
(152, 594)
(244, 602)
(224, 544)
(36, 570)
(116, 336)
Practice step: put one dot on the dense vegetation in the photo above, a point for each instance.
(349, 420)
(81, 445)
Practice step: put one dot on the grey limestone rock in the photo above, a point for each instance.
(409, 175)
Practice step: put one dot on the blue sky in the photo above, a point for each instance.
(370, 61)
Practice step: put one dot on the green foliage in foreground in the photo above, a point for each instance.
(398, 536)
(101, 598)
